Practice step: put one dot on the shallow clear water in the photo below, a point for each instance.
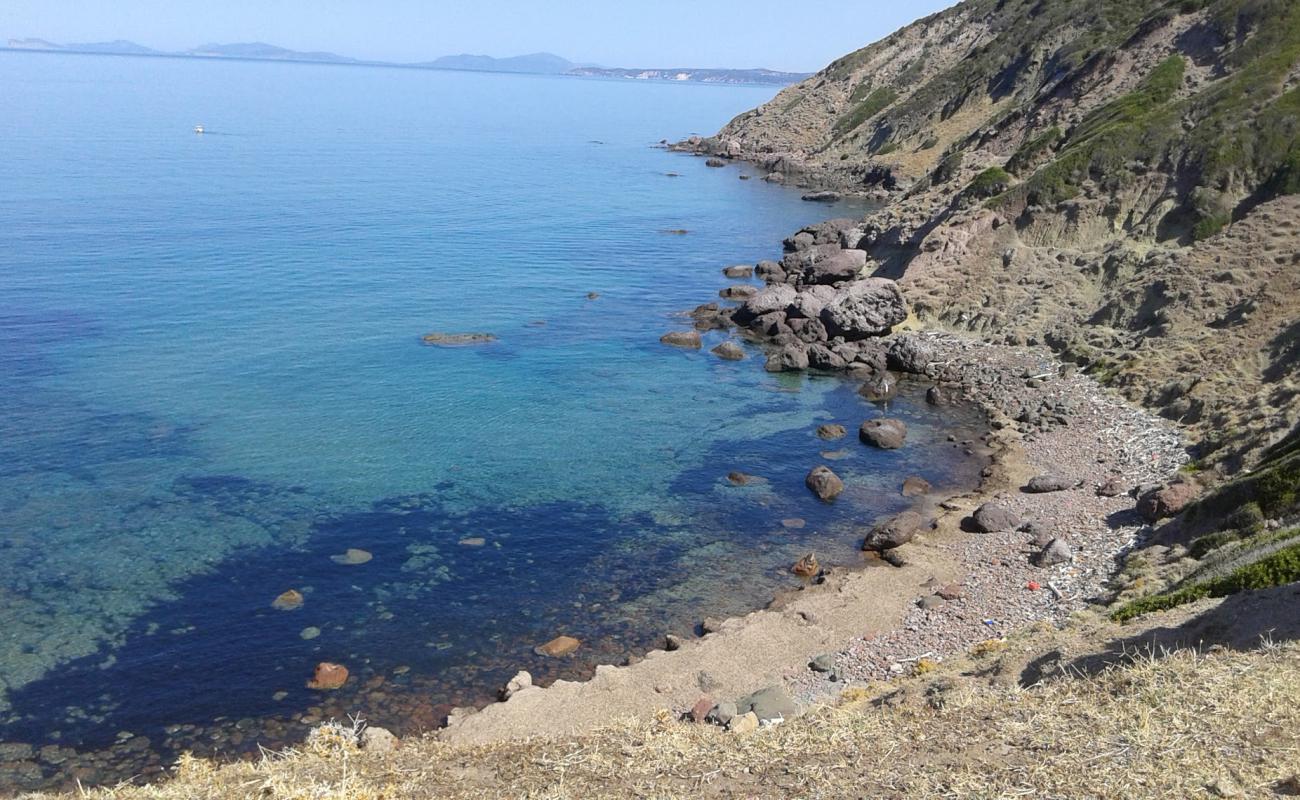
(211, 380)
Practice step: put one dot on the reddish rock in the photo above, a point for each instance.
(291, 600)
(806, 567)
(951, 591)
(328, 676)
(1168, 501)
(701, 709)
(558, 647)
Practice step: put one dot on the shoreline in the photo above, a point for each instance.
(877, 621)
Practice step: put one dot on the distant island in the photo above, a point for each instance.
(531, 64)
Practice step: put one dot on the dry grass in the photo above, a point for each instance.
(1186, 724)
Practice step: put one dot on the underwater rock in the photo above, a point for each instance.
(472, 541)
(793, 523)
(740, 479)
(729, 351)
(328, 676)
(558, 647)
(915, 486)
(310, 633)
(688, 339)
(291, 600)
(352, 557)
(831, 431)
(437, 339)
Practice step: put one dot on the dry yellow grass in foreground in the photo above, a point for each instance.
(1185, 725)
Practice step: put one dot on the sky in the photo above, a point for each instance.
(793, 35)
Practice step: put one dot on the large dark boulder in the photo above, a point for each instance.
(992, 518)
(887, 434)
(769, 299)
(824, 264)
(1167, 501)
(911, 353)
(893, 532)
(791, 358)
(1042, 484)
(869, 307)
(822, 357)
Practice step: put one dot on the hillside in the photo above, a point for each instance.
(1114, 179)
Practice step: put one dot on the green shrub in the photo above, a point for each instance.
(1029, 152)
(989, 183)
(872, 105)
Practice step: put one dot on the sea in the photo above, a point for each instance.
(213, 386)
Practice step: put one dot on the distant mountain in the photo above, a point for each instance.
(760, 76)
(535, 63)
(262, 50)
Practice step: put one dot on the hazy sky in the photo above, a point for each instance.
(798, 35)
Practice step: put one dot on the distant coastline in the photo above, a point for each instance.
(532, 64)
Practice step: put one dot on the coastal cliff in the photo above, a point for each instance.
(1115, 181)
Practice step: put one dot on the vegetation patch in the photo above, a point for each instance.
(1278, 568)
(872, 105)
(989, 183)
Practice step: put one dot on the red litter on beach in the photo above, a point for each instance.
(1033, 586)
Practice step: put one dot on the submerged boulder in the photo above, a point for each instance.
(457, 339)
(790, 358)
(887, 434)
(558, 647)
(824, 483)
(291, 600)
(729, 351)
(328, 676)
(688, 339)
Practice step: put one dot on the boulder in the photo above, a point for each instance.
(770, 299)
(1167, 501)
(810, 300)
(687, 339)
(911, 354)
(887, 434)
(711, 316)
(864, 308)
(739, 479)
(328, 676)
(729, 351)
(915, 486)
(831, 431)
(700, 711)
(893, 532)
(723, 713)
(822, 357)
(1112, 487)
(769, 705)
(791, 358)
(672, 642)
(738, 292)
(558, 647)
(715, 163)
(992, 518)
(937, 396)
(811, 331)
(880, 387)
(1042, 484)
(824, 264)
(770, 271)
(738, 271)
(800, 241)
(1057, 551)
(824, 483)
(822, 197)
(522, 680)
(773, 326)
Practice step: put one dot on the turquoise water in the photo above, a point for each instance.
(211, 380)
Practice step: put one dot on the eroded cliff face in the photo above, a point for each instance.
(1115, 179)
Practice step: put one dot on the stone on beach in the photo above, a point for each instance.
(1167, 501)
(887, 434)
(291, 600)
(688, 339)
(769, 705)
(1057, 551)
(744, 723)
(824, 483)
(993, 518)
(558, 647)
(522, 680)
(328, 676)
(893, 532)
(352, 557)
(729, 351)
(1042, 484)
